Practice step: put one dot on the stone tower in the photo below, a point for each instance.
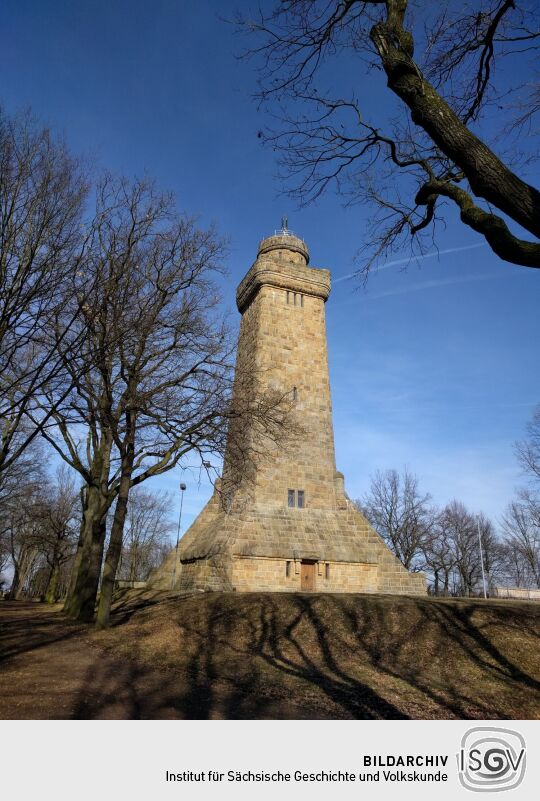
(291, 527)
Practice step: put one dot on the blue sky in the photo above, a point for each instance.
(434, 367)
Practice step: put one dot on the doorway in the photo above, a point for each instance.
(307, 576)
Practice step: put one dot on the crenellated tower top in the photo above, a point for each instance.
(282, 262)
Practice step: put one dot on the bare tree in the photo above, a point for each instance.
(42, 192)
(4, 554)
(151, 380)
(459, 529)
(21, 509)
(521, 522)
(516, 571)
(452, 552)
(158, 380)
(400, 513)
(24, 524)
(521, 526)
(528, 449)
(493, 551)
(439, 559)
(147, 534)
(56, 539)
(38, 524)
(440, 63)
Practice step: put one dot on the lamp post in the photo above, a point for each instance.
(182, 490)
(481, 555)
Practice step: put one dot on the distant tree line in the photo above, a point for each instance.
(40, 529)
(449, 544)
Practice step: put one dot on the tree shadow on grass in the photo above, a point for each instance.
(266, 655)
(283, 649)
(136, 690)
(126, 603)
(466, 671)
(266, 672)
(27, 626)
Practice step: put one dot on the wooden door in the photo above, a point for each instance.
(307, 576)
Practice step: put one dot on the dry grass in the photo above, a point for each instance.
(268, 655)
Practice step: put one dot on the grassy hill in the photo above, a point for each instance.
(262, 655)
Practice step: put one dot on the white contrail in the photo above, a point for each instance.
(395, 262)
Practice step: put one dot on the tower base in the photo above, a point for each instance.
(285, 550)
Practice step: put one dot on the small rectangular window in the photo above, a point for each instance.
(300, 499)
(294, 394)
(327, 571)
(295, 298)
(290, 498)
(288, 569)
(301, 300)
(288, 297)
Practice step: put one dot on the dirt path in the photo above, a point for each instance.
(45, 662)
(51, 668)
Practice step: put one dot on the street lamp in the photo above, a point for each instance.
(182, 490)
(206, 465)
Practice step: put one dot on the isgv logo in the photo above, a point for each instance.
(491, 759)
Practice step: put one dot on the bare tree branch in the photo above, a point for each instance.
(326, 139)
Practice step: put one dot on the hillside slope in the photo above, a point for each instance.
(259, 655)
(229, 655)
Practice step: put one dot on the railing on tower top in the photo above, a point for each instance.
(284, 231)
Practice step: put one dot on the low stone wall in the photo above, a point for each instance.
(516, 592)
(121, 584)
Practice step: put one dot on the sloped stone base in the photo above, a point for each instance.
(262, 549)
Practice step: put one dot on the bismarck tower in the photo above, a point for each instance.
(294, 528)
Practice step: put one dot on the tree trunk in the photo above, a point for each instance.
(14, 584)
(84, 584)
(83, 602)
(114, 550)
(51, 593)
(76, 563)
(23, 568)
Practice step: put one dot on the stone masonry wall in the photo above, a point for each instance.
(282, 346)
(249, 575)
